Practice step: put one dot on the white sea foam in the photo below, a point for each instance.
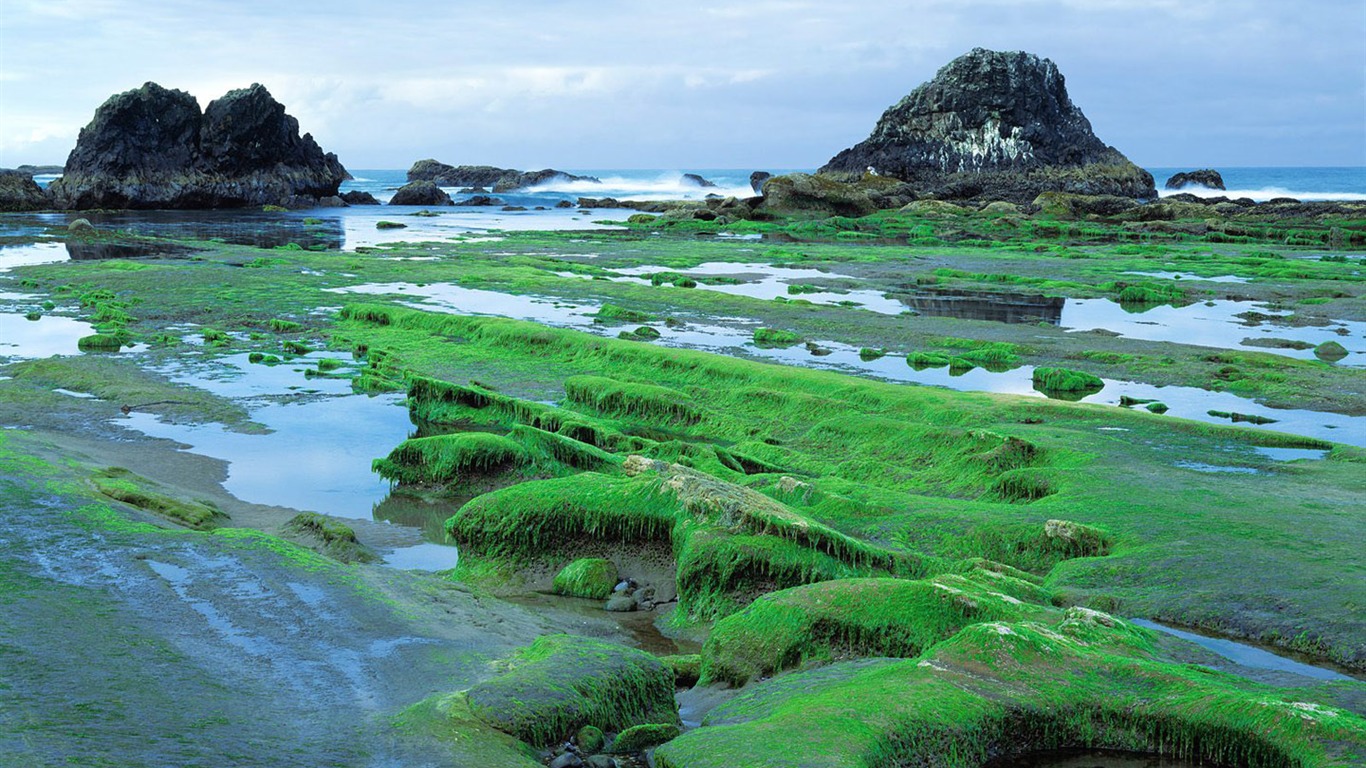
(665, 186)
(1265, 193)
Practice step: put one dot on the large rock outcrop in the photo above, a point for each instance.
(151, 147)
(19, 192)
(487, 176)
(993, 125)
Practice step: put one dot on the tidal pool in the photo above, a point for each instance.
(24, 339)
(1248, 655)
(765, 281)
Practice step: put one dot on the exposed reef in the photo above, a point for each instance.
(486, 176)
(1207, 178)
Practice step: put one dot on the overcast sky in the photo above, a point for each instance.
(743, 84)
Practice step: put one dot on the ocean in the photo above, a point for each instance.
(664, 184)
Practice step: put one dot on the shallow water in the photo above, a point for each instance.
(768, 282)
(984, 305)
(1248, 655)
(48, 252)
(24, 339)
(1191, 276)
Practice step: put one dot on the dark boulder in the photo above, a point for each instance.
(152, 148)
(1207, 178)
(481, 200)
(695, 180)
(993, 126)
(19, 192)
(485, 176)
(357, 197)
(757, 179)
(420, 193)
(803, 193)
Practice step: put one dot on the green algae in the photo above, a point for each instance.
(638, 738)
(591, 577)
(331, 537)
(448, 458)
(561, 683)
(121, 485)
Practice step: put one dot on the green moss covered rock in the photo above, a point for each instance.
(561, 683)
(591, 577)
(638, 738)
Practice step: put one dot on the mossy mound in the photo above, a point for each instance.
(561, 683)
(1030, 548)
(330, 537)
(591, 577)
(613, 314)
(100, 342)
(639, 738)
(1330, 351)
(121, 485)
(850, 618)
(775, 337)
(1066, 380)
(687, 668)
(631, 399)
(448, 458)
(997, 689)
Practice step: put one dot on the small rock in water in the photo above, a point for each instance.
(81, 225)
(622, 585)
(620, 604)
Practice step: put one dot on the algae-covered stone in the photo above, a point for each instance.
(561, 683)
(590, 739)
(330, 537)
(687, 668)
(641, 737)
(591, 577)
(802, 193)
(1083, 540)
(1066, 380)
(1330, 351)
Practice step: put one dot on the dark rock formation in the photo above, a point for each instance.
(798, 193)
(420, 193)
(697, 181)
(487, 176)
(757, 179)
(152, 148)
(357, 197)
(993, 126)
(1208, 178)
(19, 192)
(482, 200)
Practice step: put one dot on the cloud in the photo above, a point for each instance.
(770, 82)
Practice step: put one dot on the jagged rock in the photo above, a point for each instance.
(152, 148)
(757, 179)
(483, 200)
(420, 193)
(19, 192)
(993, 126)
(1207, 178)
(486, 176)
(697, 181)
(357, 197)
(1064, 205)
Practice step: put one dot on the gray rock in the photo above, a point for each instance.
(697, 181)
(1207, 178)
(620, 604)
(567, 760)
(420, 193)
(757, 179)
(19, 192)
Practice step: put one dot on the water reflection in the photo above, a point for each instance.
(984, 305)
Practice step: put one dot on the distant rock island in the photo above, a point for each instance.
(486, 176)
(993, 125)
(152, 148)
(1207, 178)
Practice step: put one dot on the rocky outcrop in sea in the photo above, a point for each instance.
(420, 193)
(1206, 177)
(486, 176)
(19, 192)
(993, 125)
(151, 147)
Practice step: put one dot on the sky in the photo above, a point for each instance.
(778, 84)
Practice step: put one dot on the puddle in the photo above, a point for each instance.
(317, 457)
(69, 393)
(1191, 276)
(984, 305)
(767, 282)
(638, 624)
(1291, 454)
(1090, 758)
(1248, 655)
(12, 256)
(235, 377)
(476, 301)
(24, 339)
(427, 556)
(1216, 468)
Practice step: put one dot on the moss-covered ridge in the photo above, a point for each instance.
(1000, 688)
